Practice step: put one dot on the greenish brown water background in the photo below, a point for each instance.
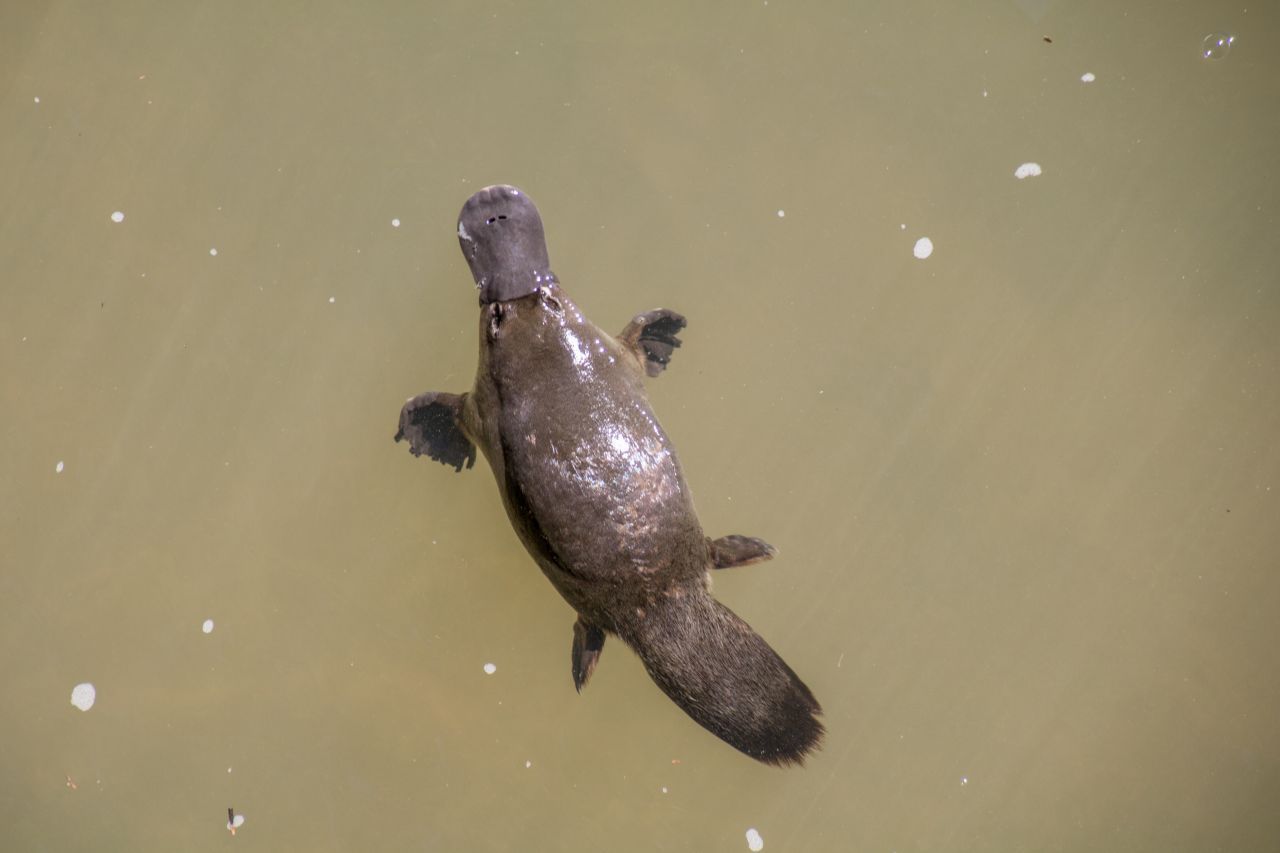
(1026, 492)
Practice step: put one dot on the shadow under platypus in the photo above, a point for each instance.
(594, 490)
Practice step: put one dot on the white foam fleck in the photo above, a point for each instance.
(83, 696)
(332, 299)
(1087, 77)
(490, 669)
(117, 216)
(213, 253)
(781, 213)
(1027, 170)
(207, 627)
(754, 841)
(395, 223)
(37, 99)
(57, 469)
(923, 248)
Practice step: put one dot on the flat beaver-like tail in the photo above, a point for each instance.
(725, 676)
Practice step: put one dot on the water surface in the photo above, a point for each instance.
(1024, 490)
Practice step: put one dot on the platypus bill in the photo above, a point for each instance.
(595, 492)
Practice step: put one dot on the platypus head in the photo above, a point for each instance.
(500, 233)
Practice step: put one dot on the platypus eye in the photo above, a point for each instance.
(495, 320)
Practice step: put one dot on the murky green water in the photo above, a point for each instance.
(1026, 491)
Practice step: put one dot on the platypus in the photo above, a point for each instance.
(595, 492)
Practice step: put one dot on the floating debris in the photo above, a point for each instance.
(1087, 77)
(490, 669)
(754, 842)
(117, 216)
(83, 696)
(1027, 170)
(57, 469)
(395, 223)
(207, 627)
(923, 248)
(234, 821)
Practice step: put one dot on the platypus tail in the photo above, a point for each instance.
(725, 676)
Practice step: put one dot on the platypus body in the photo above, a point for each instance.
(595, 492)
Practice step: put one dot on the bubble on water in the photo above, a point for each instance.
(37, 99)
(1027, 170)
(83, 696)
(58, 469)
(117, 216)
(1087, 77)
(207, 627)
(213, 253)
(332, 299)
(923, 248)
(395, 223)
(1217, 45)
(754, 841)
(490, 669)
(781, 213)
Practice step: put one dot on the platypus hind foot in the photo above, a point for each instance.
(588, 642)
(729, 552)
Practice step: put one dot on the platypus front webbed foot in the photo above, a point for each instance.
(430, 424)
(652, 337)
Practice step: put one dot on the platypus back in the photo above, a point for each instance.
(725, 676)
